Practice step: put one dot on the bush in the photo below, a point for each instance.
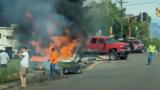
(154, 41)
(9, 73)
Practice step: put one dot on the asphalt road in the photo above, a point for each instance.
(132, 74)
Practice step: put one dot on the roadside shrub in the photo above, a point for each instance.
(154, 41)
(9, 73)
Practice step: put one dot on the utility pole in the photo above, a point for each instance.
(130, 21)
(129, 26)
(121, 2)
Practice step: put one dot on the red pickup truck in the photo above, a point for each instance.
(104, 44)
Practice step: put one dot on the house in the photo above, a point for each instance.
(7, 40)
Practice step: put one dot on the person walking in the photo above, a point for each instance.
(4, 59)
(151, 50)
(53, 64)
(24, 65)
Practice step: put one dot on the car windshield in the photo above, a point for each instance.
(111, 40)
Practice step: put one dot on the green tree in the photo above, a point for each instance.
(140, 30)
(103, 15)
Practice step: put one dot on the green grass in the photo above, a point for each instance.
(10, 73)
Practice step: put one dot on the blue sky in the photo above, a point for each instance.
(137, 6)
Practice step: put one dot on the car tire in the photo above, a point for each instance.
(112, 56)
(65, 71)
(123, 57)
(142, 51)
(79, 71)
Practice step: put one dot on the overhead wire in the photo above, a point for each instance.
(143, 3)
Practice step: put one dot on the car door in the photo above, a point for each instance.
(107, 45)
(101, 44)
(93, 44)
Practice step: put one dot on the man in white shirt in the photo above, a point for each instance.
(24, 64)
(4, 58)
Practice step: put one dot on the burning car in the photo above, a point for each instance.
(66, 47)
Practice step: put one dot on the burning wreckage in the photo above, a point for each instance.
(67, 48)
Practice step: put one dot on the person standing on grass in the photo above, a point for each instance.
(151, 50)
(4, 59)
(53, 63)
(24, 65)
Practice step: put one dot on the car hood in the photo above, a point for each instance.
(139, 45)
(121, 43)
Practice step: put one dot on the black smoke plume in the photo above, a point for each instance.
(37, 17)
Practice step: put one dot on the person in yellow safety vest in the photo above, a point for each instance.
(151, 50)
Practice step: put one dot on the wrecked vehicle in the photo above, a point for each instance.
(107, 45)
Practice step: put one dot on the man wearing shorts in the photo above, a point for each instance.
(24, 64)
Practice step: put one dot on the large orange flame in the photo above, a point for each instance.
(64, 43)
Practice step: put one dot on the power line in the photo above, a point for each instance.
(143, 3)
(121, 2)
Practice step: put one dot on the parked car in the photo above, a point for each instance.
(136, 46)
(104, 44)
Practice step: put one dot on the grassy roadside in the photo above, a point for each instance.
(9, 73)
